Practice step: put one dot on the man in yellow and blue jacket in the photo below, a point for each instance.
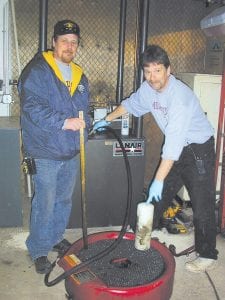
(53, 89)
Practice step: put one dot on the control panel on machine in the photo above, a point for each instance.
(100, 110)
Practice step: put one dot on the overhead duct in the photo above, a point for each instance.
(214, 23)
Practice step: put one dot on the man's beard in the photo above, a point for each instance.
(67, 58)
(155, 85)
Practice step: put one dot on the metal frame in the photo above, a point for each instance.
(220, 144)
(5, 65)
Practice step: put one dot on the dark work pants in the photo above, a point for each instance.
(201, 189)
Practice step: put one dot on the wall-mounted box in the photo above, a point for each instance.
(10, 173)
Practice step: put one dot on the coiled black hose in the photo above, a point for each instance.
(123, 230)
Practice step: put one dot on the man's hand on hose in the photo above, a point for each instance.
(102, 123)
(155, 191)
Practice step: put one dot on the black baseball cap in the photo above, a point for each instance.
(66, 27)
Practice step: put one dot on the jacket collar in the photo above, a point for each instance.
(76, 70)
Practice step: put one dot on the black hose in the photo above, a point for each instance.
(213, 285)
(122, 231)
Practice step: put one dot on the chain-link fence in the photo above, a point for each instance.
(173, 24)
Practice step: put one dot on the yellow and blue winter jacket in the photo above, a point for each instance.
(45, 104)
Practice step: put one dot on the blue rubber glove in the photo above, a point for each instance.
(102, 123)
(155, 191)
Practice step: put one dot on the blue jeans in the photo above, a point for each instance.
(54, 184)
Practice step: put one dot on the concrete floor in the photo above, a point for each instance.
(19, 281)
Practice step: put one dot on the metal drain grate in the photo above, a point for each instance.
(125, 266)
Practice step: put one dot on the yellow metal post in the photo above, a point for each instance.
(83, 183)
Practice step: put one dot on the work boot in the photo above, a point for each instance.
(62, 247)
(200, 264)
(42, 265)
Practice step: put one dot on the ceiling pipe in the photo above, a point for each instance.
(43, 24)
(119, 88)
